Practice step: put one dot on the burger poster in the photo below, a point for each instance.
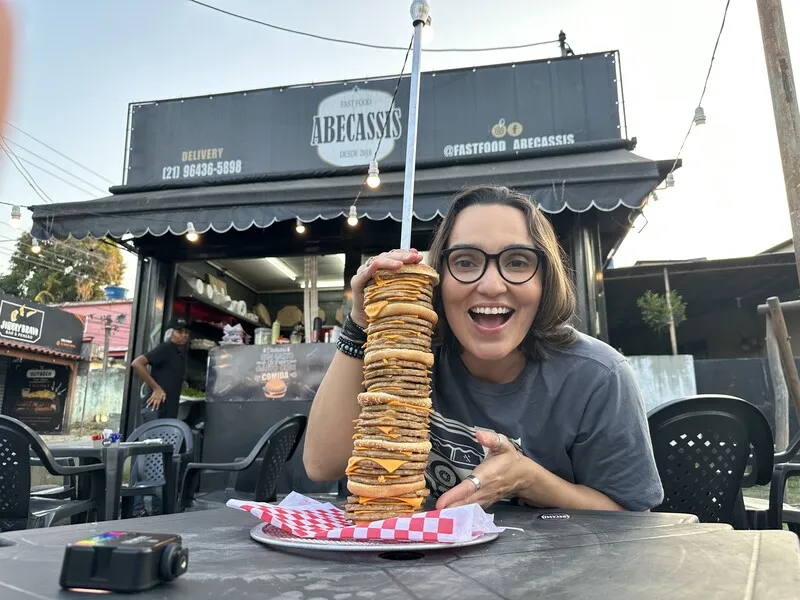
(264, 373)
(36, 394)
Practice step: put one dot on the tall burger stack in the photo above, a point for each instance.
(386, 472)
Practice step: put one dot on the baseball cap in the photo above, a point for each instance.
(177, 323)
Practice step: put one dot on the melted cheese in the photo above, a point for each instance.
(412, 502)
(389, 464)
(374, 309)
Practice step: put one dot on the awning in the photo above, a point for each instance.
(34, 349)
(604, 180)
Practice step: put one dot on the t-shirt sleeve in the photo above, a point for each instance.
(612, 452)
(157, 355)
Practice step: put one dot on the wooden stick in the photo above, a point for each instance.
(780, 389)
(785, 350)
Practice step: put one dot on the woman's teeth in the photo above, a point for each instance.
(494, 310)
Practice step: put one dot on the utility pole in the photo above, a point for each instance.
(107, 344)
(670, 315)
(784, 105)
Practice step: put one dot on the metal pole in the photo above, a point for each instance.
(670, 317)
(784, 105)
(411, 143)
(106, 345)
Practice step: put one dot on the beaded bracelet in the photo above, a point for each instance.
(350, 347)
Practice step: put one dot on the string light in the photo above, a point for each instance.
(374, 177)
(670, 180)
(699, 116)
(35, 247)
(299, 227)
(16, 216)
(191, 233)
(352, 217)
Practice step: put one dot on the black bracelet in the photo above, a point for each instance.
(351, 330)
(351, 348)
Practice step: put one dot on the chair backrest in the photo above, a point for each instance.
(270, 454)
(15, 475)
(149, 467)
(702, 445)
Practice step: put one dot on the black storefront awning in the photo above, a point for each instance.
(604, 179)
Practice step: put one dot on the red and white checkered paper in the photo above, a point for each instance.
(307, 518)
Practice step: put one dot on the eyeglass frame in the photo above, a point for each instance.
(540, 255)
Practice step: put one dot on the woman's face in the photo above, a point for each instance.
(491, 316)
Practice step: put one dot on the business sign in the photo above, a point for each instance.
(490, 112)
(36, 394)
(40, 325)
(263, 373)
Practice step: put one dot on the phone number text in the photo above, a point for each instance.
(206, 169)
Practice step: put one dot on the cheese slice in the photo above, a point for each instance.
(374, 309)
(386, 429)
(389, 464)
(412, 502)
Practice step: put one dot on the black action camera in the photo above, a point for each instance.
(123, 561)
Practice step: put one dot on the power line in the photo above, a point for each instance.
(53, 175)
(705, 84)
(361, 44)
(51, 163)
(24, 172)
(388, 116)
(61, 154)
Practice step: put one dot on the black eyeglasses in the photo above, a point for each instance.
(516, 264)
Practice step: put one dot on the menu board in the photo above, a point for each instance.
(36, 394)
(262, 373)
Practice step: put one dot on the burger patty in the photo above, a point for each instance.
(387, 479)
(374, 453)
(387, 422)
(401, 412)
(399, 322)
(399, 389)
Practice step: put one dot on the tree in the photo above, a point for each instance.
(654, 309)
(70, 271)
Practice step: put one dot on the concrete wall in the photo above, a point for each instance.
(663, 378)
(99, 397)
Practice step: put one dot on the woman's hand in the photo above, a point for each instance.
(388, 260)
(502, 473)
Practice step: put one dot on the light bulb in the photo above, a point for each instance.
(427, 32)
(299, 227)
(16, 217)
(35, 247)
(699, 116)
(373, 177)
(191, 233)
(352, 216)
(670, 180)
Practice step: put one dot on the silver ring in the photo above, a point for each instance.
(499, 442)
(475, 481)
(369, 261)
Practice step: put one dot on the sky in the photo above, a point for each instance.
(78, 64)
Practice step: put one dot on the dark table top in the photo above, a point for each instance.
(591, 555)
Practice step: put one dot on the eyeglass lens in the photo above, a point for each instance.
(516, 265)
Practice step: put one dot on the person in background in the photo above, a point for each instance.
(165, 377)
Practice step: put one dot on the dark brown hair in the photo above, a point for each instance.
(550, 328)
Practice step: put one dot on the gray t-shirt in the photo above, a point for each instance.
(578, 413)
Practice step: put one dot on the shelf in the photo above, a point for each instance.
(188, 295)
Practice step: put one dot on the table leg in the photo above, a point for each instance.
(114, 460)
(168, 500)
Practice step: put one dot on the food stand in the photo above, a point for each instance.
(238, 202)
(40, 348)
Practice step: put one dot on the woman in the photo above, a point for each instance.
(525, 407)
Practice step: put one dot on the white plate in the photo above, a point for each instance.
(265, 533)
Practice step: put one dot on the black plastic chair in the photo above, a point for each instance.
(20, 510)
(254, 477)
(147, 470)
(702, 445)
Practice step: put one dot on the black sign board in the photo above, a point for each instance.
(36, 394)
(486, 112)
(40, 325)
(263, 373)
